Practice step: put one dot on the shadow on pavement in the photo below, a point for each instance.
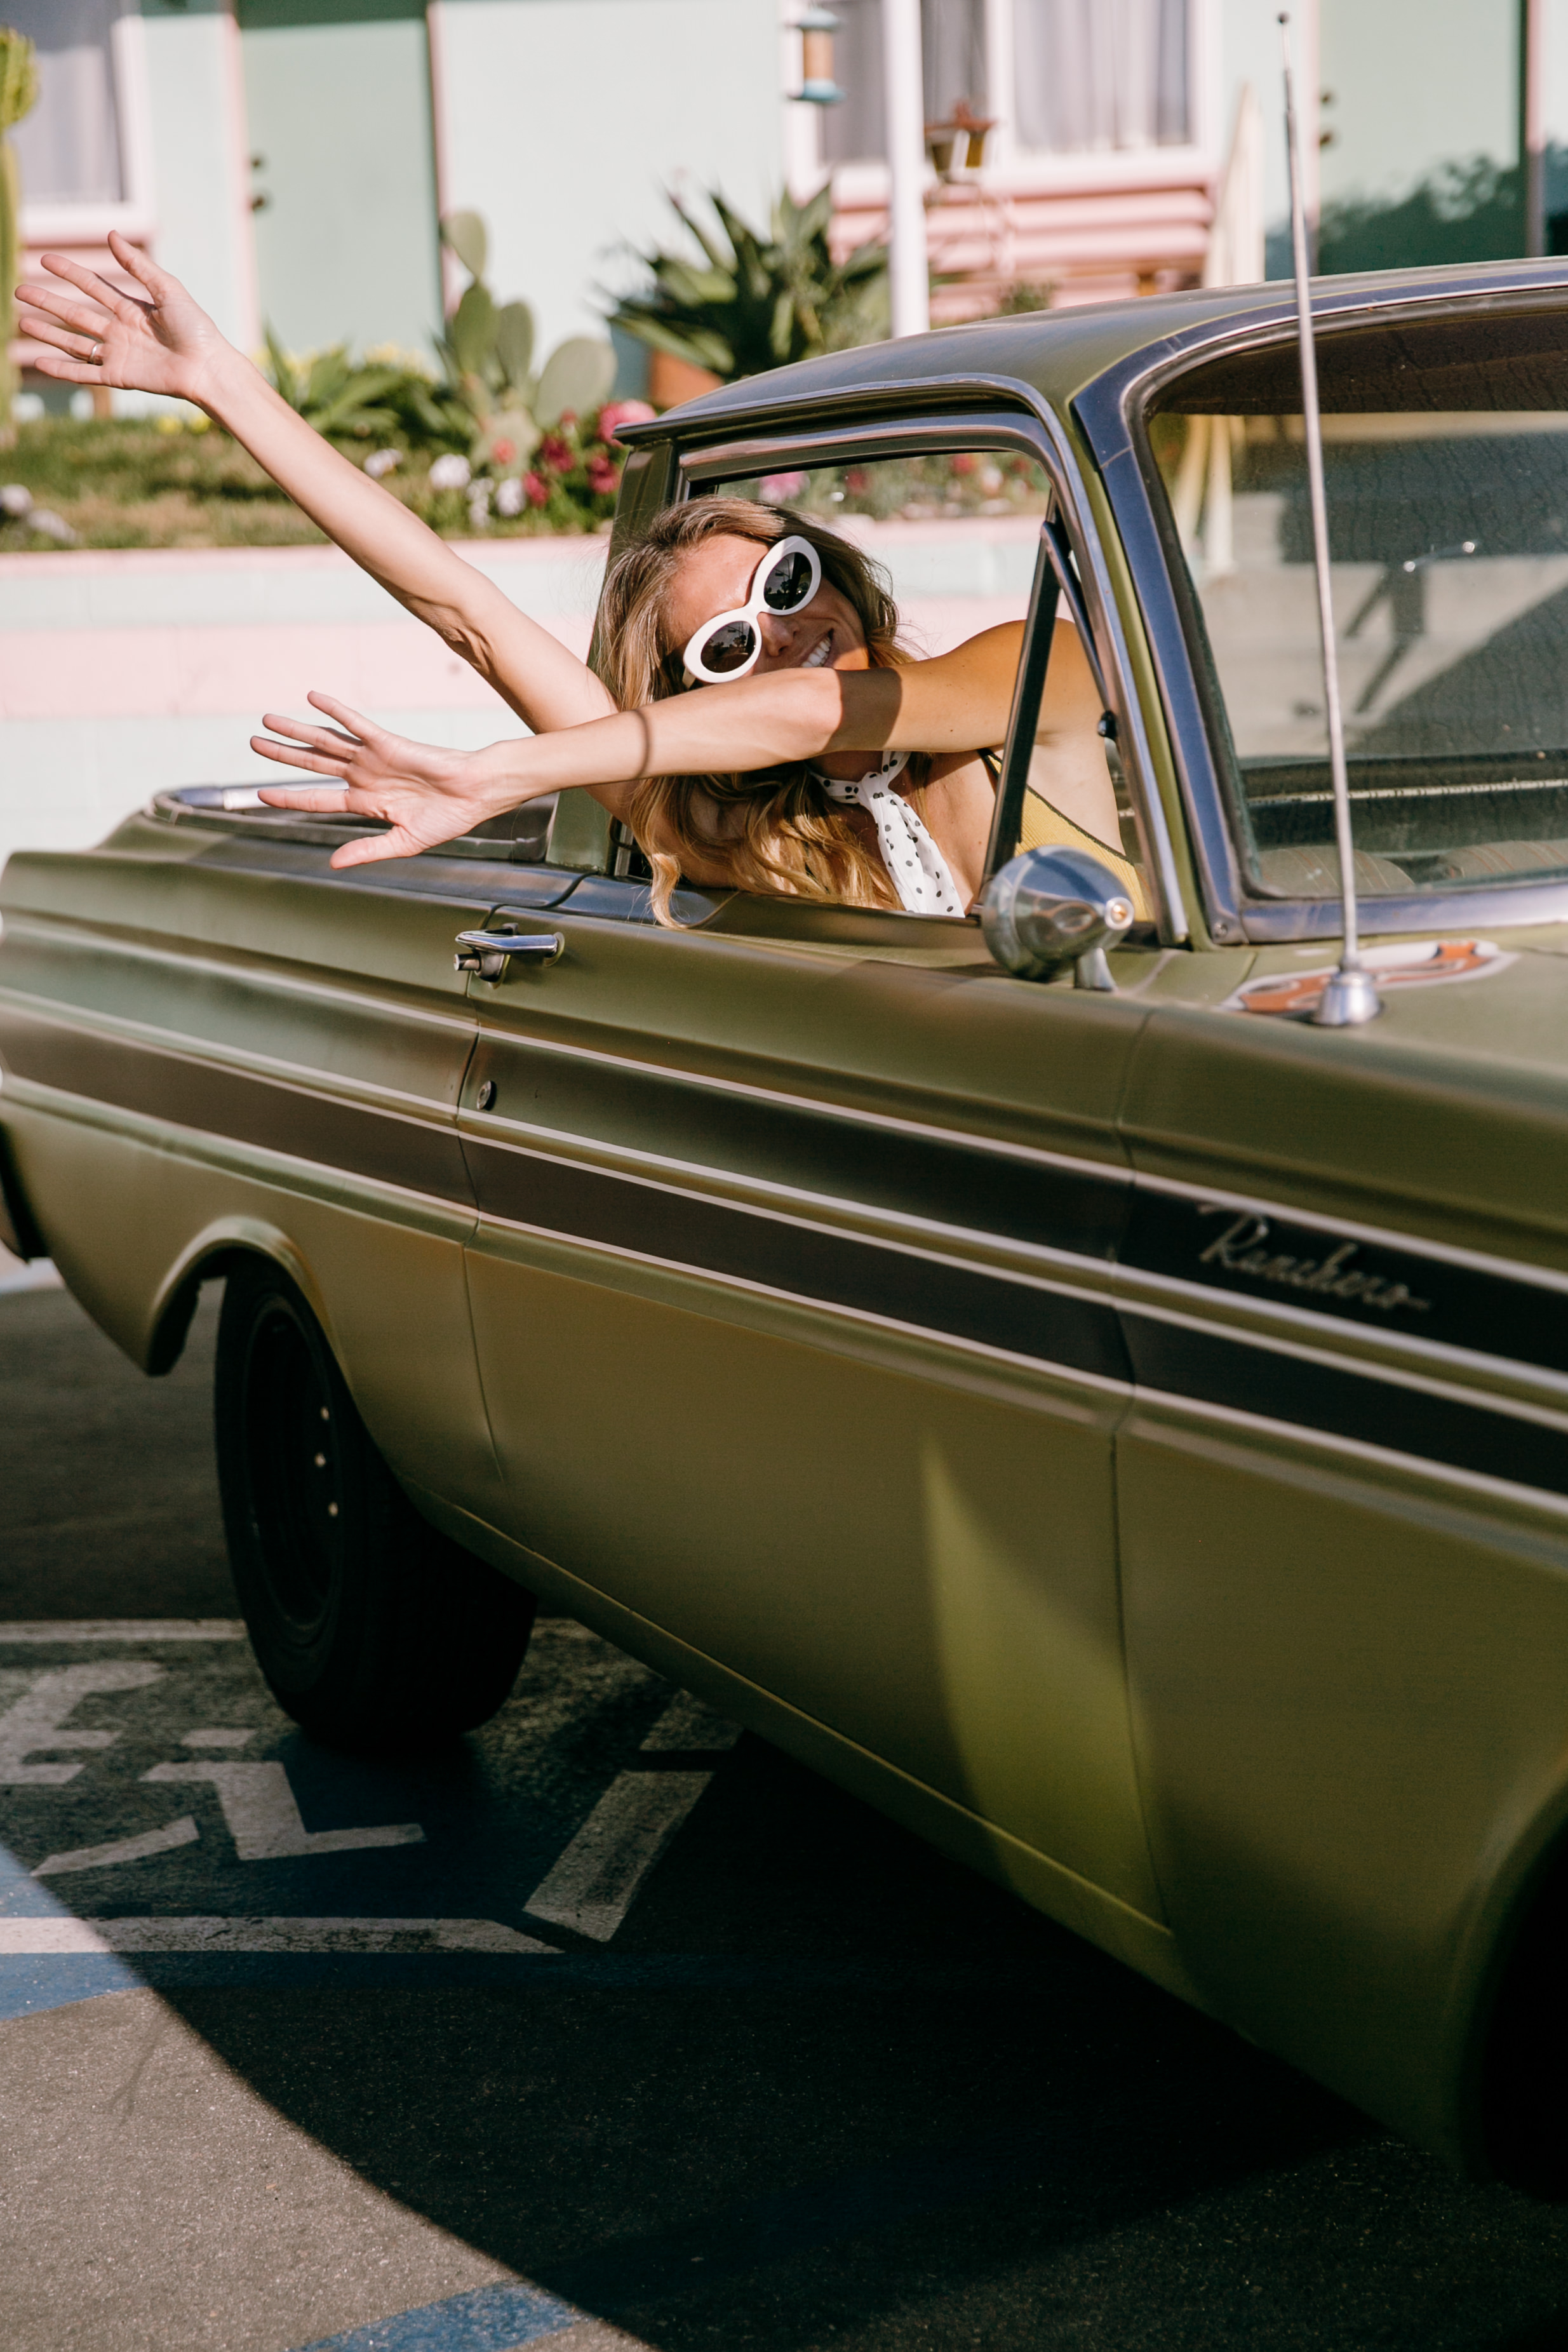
(829, 2088)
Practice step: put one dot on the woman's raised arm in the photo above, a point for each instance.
(959, 702)
(164, 342)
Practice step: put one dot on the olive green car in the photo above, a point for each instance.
(1120, 1431)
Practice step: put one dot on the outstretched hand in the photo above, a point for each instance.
(162, 341)
(425, 795)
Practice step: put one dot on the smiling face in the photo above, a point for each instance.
(716, 577)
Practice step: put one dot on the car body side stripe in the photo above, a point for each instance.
(922, 1291)
(419, 1155)
(1272, 1257)
(1242, 1376)
(1048, 1323)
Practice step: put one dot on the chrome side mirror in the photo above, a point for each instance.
(1052, 907)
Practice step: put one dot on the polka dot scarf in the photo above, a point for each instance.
(917, 868)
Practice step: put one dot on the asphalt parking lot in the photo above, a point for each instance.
(607, 2029)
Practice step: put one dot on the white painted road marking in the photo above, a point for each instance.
(131, 1849)
(215, 1738)
(591, 1886)
(37, 1937)
(264, 1820)
(690, 1723)
(124, 1628)
(35, 1720)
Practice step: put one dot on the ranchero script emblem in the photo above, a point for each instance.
(1242, 1249)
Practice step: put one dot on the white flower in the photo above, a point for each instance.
(381, 461)
(16, 500)
(510, 497)
(450, 474)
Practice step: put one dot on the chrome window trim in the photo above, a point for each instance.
(1110, 411)
(1016, 416)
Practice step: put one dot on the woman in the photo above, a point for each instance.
(820, 761)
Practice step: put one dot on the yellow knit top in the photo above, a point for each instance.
(1045, 827)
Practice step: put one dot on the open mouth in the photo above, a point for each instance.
(821, 654)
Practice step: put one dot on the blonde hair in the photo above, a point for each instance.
(789, 836)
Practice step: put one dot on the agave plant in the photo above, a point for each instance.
(755, 301)
(18, 93)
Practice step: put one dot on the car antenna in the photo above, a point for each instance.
(1350, 994)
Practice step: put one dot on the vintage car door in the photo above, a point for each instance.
(791, 1294)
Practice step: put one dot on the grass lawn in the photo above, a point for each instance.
(124, 482)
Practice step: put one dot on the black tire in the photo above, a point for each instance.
(374, 1631)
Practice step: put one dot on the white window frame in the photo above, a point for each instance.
(90, 223)
(1009, 169)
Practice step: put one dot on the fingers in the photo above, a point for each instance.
(371, 847)
(61, 311)
(68, 370)
(319, 738)
(77, 345)
(141, 266)
(315, 799)
(87, 281)
(347, 716)
(290, 755)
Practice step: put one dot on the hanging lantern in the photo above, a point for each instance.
(818, 87)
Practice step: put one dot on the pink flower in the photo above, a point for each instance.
(503, 452)
(963, 463)
(534, 491)
(617, 412)
(603, 476)
(778, 487)
(555, 453)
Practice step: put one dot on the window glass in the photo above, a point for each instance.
(1445, 453)
(68, 147)
(953, 41)
(1101, 74)
(958, 536)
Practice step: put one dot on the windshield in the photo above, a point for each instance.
(1446, 457)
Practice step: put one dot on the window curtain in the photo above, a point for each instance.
(1099, 74)
(68, 147)
(953, 41)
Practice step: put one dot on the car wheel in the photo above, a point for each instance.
(374, 1630)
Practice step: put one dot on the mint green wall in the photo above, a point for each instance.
(202, 234)
(338, 104)
(1417, 84)
(567, 118)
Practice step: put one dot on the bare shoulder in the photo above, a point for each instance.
(986, 653)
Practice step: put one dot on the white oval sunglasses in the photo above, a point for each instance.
(730, 644)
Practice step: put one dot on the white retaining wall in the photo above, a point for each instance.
(123, 674)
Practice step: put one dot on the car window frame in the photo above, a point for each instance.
(1112, 412)
(1069, 553)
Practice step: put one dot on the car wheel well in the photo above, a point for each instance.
(172, 1327)
(1522, 2073)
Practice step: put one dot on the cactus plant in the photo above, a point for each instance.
(488, 349)
(18, 94)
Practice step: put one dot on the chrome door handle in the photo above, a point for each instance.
(488, 952)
